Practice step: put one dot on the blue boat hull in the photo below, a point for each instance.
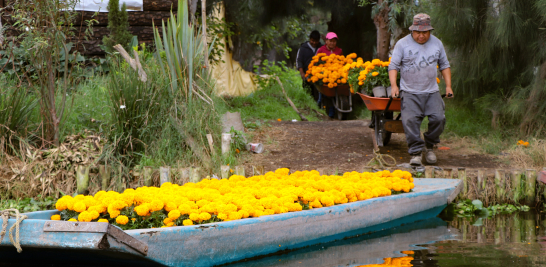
(226, 242)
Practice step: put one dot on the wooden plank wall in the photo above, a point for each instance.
(140, 24)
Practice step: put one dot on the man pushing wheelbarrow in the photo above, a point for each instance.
(417, 57)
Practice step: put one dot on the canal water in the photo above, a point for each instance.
(504, 240)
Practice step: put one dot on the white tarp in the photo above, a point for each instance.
(102, 5)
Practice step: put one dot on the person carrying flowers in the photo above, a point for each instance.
(305, 54)
(418, 57)
(329, 48)
(331, 45)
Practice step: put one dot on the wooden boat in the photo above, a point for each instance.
(90, 244)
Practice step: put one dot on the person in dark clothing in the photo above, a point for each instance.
(305, 54)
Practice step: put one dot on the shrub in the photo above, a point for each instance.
(118, 24)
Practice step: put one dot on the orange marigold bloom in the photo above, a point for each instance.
(122, 219)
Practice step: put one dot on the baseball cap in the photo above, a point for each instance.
(331, 35)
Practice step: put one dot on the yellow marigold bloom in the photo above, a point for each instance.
(103, 220)
(156, 205)
(187, 222)
(174, 214)
(170, 206)
(94, 214)
(56, 217)
(72, 220)
(142, 210)
(194, 217)
(61, 204)
(80, 206)
(222, 216)
(84, 217)
(113, 213)
(122, 219)
(204, 216)
(375, 73)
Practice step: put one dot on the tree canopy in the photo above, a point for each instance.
(498, 53)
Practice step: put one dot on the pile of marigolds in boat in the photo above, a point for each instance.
(212, 200)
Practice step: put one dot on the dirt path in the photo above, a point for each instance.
(342, 146)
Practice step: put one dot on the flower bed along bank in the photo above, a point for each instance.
(229, 199)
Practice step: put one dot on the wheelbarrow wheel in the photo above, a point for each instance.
(339, 115)
(382, 136)
(343, 104)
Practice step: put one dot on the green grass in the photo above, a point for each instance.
(28, 204)
(269, 103)
(90, 108)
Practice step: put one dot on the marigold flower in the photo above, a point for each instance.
(194, 217)
(113, 213)
(187, 222)
(122, 219)
(103, 220)
(56, 217)
(85, 217)
(80, 206)
(375, 73)
(174, 214)
(60, 205)
(205, 216)
(72, 220)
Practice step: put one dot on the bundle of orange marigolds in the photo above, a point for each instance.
(230, 199)
(328, 70)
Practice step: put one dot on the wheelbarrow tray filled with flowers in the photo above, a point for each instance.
(329, 76)
(257, 225)
(341, 90)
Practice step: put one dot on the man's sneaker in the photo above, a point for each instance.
(430, 157)
(416, 160)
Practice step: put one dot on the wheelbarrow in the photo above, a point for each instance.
(383, 117)
(340, 96)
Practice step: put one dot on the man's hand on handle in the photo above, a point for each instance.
(449, 92)
(446, 73)
(395, 91)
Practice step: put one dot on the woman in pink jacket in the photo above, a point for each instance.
(329, 48)
(331, 45)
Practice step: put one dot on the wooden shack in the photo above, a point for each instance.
(140, 22)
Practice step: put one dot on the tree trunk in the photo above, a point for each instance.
(193, 9)
(381, 21)
(204, 22)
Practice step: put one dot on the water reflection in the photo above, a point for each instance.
(505, 240)
(365, 249)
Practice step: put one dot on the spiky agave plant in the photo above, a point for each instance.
(181, 52)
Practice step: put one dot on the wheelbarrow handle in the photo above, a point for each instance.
(389, 104)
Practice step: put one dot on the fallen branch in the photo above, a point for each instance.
(290, 101)
(134, 63)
